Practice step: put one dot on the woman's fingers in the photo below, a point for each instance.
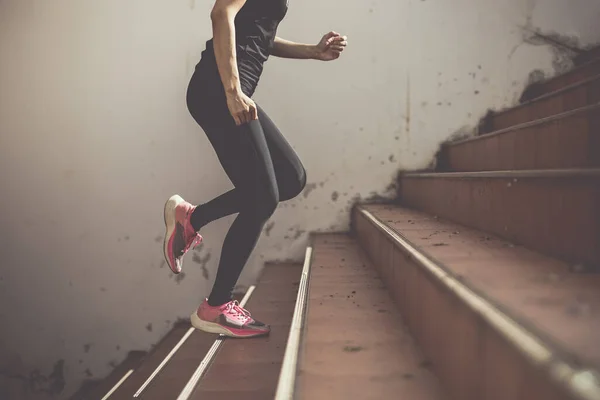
(253, 113)
(245, 117)
(242, 109)
(237, 120)
(330, 37)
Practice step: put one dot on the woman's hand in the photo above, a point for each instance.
(241, 107)
(331, 46)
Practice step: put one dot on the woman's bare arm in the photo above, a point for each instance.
(223, 17)
(329, 48)
(242, 108)
(287, 49)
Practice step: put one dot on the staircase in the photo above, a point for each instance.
(481, 283)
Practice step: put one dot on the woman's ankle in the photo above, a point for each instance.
(196, 219)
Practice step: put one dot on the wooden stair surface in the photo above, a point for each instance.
(577, 95)
(554, 212)
(252, 364)
(578, 74)
(196, 344)
(249, 368)
(496, 320)
(568, 140)
(355, 344)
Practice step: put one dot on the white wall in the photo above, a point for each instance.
(95, 136)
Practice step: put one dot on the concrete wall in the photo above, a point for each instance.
(95, 136)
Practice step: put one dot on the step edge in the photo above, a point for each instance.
(116, 387)
(510, 174)
(525, 125)
(286, 384)
(547, 96)
(584, 383)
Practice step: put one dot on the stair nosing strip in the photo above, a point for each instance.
(189, 387)
(580, 382)
(511, 174)
(287, 375)
(164, 362)
(525, 125)
(118, 385)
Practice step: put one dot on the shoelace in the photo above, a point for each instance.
(194, 242)
(235, 308)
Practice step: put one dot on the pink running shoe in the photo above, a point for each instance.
(230, 319)
(180, 236)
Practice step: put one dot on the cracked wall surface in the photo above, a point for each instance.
(95, 136)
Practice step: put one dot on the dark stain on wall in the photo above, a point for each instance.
(309, 188)
(179, 277)
(564, 48)
(533, 86)
(37, 383)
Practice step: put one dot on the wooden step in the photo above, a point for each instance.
(556, 212)
(496, 321)
(168, 367)
(249, 368)
(568, 140)
(180, 334)
(569, 98)
(577, 74)
(355, 344)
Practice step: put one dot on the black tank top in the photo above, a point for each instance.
(255, 27)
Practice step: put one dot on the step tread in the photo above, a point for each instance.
(249, 368)
(150, 362)
(541, 121)
(169, 382)
(543, 97)
(342, 360)
(543, 294)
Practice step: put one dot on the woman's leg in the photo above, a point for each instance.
(289, 171)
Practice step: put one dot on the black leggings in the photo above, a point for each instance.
(260, 163)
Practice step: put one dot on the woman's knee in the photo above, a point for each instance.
(293, 187)
(262, 206)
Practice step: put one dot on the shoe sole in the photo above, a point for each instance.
(170, 223)
(211, 327)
